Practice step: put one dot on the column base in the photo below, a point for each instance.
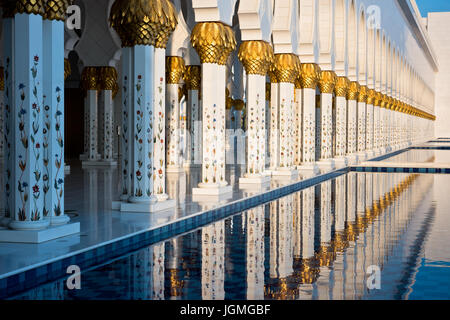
(174, 169)
(352, 159)
(341, 162)
(254, 188)
(83, 157)
(252, 180)
(191, 165)
(328, 164)
(308, 169)
(285, 173)
(213, 192)
(58, 221)
(99, 163)
(148, 207)
(39, 236)
(4, 222)
(362, 156)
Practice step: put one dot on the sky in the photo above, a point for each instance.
(426, 6)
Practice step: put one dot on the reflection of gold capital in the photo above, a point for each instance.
(353, 91)
(371, 97)
(56, 9)
(67, 69)
(256, 57)
(378, 99)
(286, 67)
(107, 78)
(327, 81)
(89, 78)
(174, 69)
(341, 87)
(309, 76)
(193, 77)
(208, 39)
(2, 79)
(362, 97)
(268, 90)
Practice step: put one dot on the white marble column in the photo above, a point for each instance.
(298, 124)
(142, 131)
(274, 141)
(309, 79)
(28, 124)
(91, 84)
(193, 82)
(127, 123)
(352, 118)
(341, 90)
(370, 123)
(256, 56)
(53, 124)
(213, 94)
(327, 84)
(361, 133)
(107, 85)
(8, 172)
(174, 71)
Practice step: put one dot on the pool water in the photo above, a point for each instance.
(325, 242)
(421, 156)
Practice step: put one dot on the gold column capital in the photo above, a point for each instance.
(371, 97)
(327, 81)
(89, 78)
(56, 9)
(2, 79)
(363, 92)
(67, 69)
(310, 74)
(286, 66)
(272, 75)
(230, 45)
(11, 8)
(143, 22)
(341, 88)
(208, 39)
(256, 57)
(353, 91)
(175, 69)
(193, 77)
(107, 78)
(378, 98)
(384, 101)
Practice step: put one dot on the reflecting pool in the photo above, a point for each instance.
(325, 242)
(421, 156)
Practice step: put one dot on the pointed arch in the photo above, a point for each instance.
(308, 46)
(378, 55)
(362, 47)
(340, 37)
(326, 34)
(352, 41)
(371, 76)
(383, 66)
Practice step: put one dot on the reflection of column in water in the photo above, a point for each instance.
(297, 218)
(339, 238)
(360, 244)
(172, 267)
(139, 268)
(285, 236)
(91, 194)
(213, 251)
(350, 284)
(308, 271)
(255, 254)
(273, 239)
(158, 271)
(369, 210)
(51, 291)
(326, 253)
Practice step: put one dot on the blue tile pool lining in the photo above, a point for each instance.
(399, 170)
(49, 271)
